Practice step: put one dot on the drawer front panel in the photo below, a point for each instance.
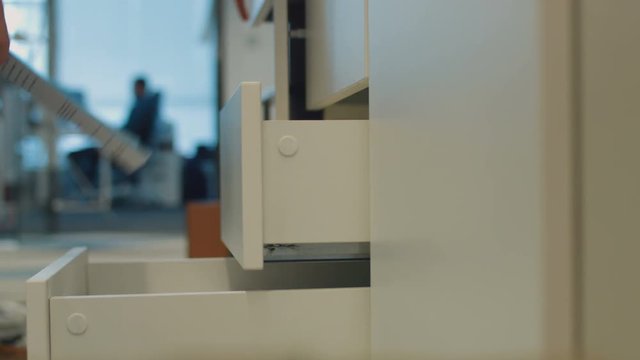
(287, 324)
(337, 50)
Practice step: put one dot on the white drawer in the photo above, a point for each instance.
(337, 50)
(290, 182)
(198, 309)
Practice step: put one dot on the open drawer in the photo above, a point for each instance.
(198, 309)
(290, 182)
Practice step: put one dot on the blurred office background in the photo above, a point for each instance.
(93, 50)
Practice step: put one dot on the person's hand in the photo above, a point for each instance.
(4, 36)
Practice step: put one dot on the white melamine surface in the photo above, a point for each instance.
(290, 182)
(337, 50)
(247, 53)
(65, 276)
(456, 182)
(281, 48)
(241, 175)
(289, 324)
(321, 193)
(224, 274)
(198, 309)
(560, 180)
(611, 178)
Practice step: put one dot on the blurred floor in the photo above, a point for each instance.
(22, 258)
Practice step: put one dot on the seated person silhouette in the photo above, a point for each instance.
(144, 113)
(140, 124)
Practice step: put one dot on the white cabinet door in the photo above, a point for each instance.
(455, 142)
(337, 50)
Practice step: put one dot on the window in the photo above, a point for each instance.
(28, 25)
(103, 45)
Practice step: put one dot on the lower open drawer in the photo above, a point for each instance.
(198, 309)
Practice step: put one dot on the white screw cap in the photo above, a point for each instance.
(77, 324)
(288, 145)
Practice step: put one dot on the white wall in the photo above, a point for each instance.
(103, 45)
(456, 181)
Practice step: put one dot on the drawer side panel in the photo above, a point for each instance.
(65, 276)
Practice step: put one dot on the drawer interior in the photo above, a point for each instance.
(225, 274)
(320, 310)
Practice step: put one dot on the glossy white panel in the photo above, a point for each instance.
(456, 181)
(560, 253)
(320, 194)
(610, 109)
(222, 274)
(281, 49)
(290, 324)
(241, 175)
(337, 50)
(65, 276)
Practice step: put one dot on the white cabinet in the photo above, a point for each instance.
(505, 197)
(290, 182)
(456, 178)
(337, 50)
(198, 309)
(610, 178)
